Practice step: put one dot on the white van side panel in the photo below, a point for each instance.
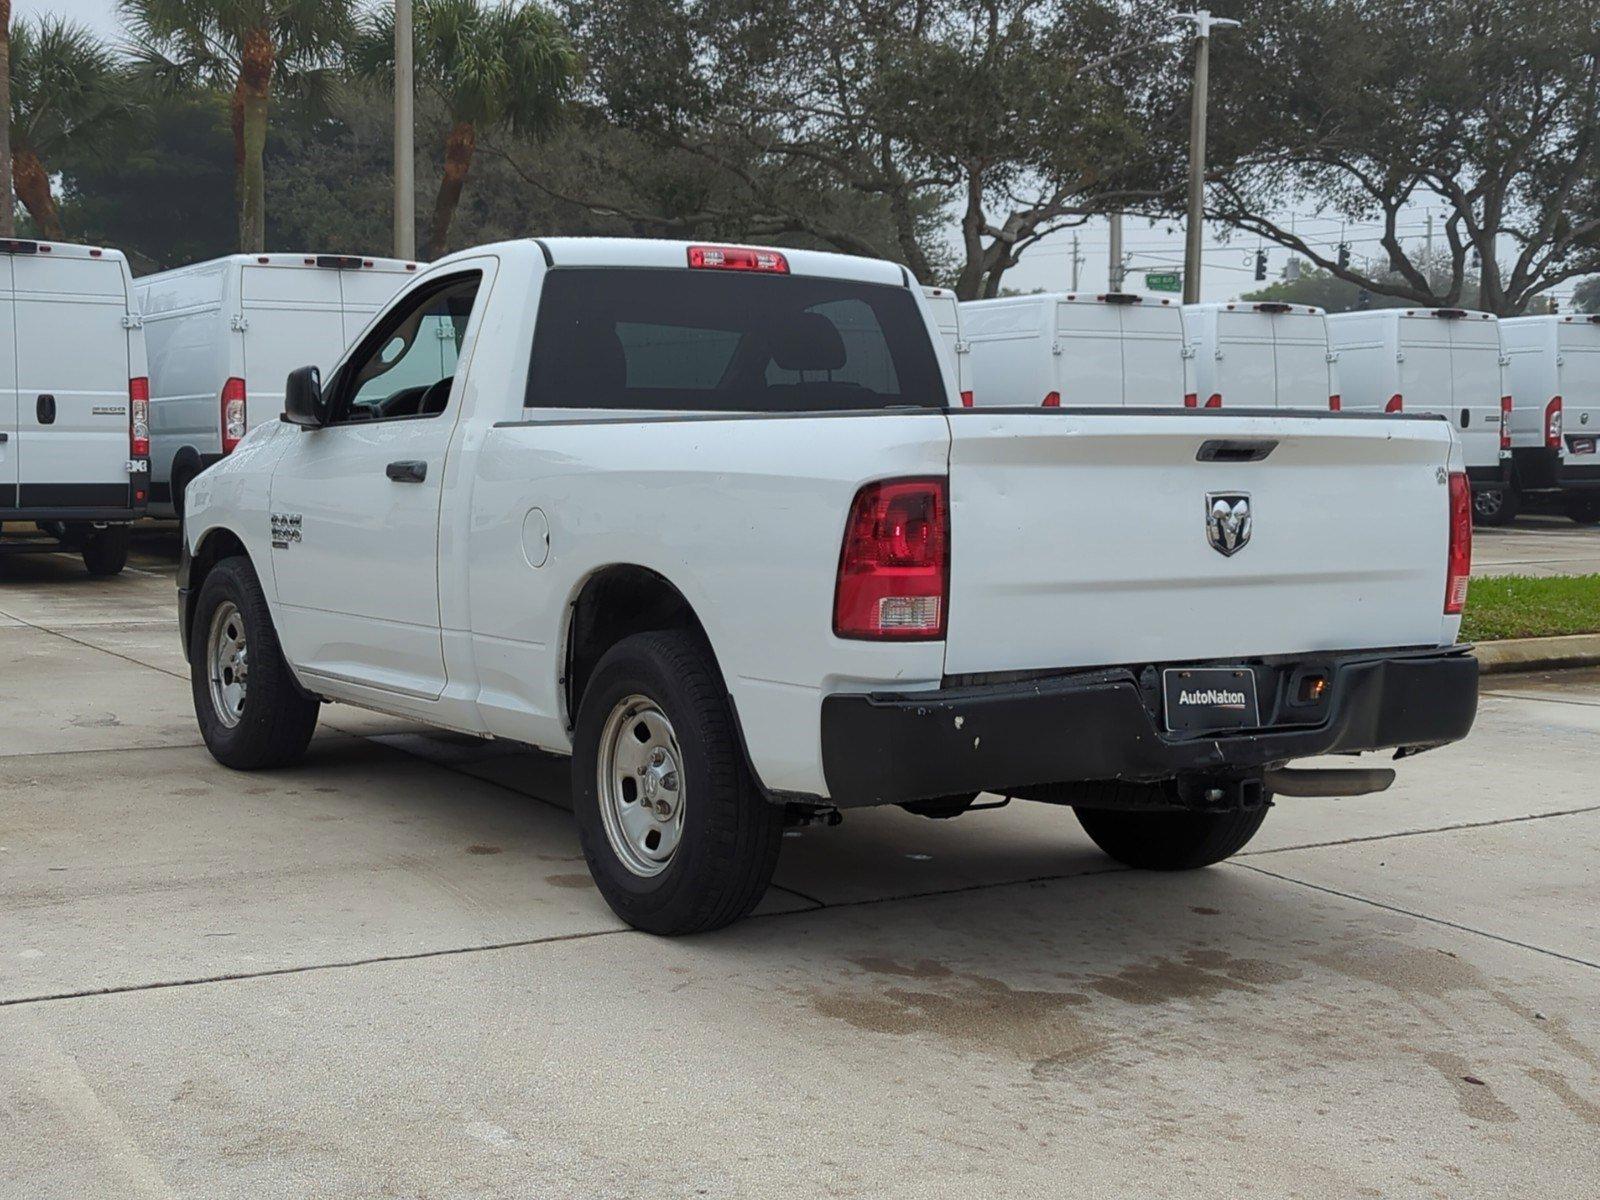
(71, 347)
(362, 293)
(8, 391)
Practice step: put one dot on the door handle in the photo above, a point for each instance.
(4, 437)
(407, 471)
(45, 409)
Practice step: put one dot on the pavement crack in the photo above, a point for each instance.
(1541, 699)
(1405, 833)
(1420, 916)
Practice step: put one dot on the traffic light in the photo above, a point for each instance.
(1344, 256)
(1261, 265)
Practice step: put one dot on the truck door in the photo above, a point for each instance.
(355, 504)
(10, 444)
(72, 381)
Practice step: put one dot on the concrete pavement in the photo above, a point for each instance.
(1537, 545)
(384, 973)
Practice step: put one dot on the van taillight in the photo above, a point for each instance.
(1552, 424)
(894, 567)
(233, 414)
(966, 399)
(1335, 403)
(1460, 561)
(139, 417)
(1051, 400)
(1214, 400)
(738, 258)
(1191, 400)
(1505, 422)
(1396, 404)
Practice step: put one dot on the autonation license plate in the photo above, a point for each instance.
(1581, 445)
(1201, 698)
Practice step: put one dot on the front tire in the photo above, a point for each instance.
(251, 713)
(675, 834)
(1495, 507)
(105, 551)
(1163, 840)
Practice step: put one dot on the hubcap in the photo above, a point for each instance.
(1488, 503)
(228, 663)
(641, 786)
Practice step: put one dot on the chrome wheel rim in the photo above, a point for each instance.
(641, 786)
(1488, 504)
(228, 663)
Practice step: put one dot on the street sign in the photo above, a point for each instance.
(1163, 281)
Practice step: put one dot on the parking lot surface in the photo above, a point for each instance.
(385, 972)
(1537, 545)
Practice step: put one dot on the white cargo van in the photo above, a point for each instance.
(74, 405)
(222, 336)
(1436, 360)
(947, 316)
(1554, 363)
(1261, 355)
(1076, 350)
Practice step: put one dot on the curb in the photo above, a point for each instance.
(1538, 654)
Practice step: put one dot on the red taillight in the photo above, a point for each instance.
(1505, 422)
(1395, 404)
(1214, 400)
(139, 417)
(966, 399)
(1552, 424)
(1051, 400)
(1335, 403)
(1460, 562)
(894, 568)
(738, 258)
(1191, 400)
(232, 414)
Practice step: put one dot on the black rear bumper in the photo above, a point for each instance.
(883, 748)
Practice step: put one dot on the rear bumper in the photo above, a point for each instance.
(884, 748)
(1488, 478)
(1580, 478)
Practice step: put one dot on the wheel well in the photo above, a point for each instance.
(215, 546)
(615, 603)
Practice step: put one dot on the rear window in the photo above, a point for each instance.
(687, 341)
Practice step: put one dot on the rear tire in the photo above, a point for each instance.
(1495, 507)
(1170, 841)
(251, 712)
(105, 551)
(654, 728)
(1585, 510)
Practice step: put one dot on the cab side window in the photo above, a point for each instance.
(405, 367)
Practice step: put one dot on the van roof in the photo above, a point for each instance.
(58, 249)
(1271, 307)
(1129, 298)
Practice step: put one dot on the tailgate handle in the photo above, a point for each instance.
(1227, 450)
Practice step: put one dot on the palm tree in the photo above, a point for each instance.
(246, 47)
(503, 65)
(68, 91)
(7, 206)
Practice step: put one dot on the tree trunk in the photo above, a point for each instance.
(8, 224)
(252, 97)
(458, 148)
(33, 189)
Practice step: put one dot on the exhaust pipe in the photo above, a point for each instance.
(1333, 781)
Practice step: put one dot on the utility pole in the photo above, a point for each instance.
(1115, 281)
(405, 156)
(1077, 261)
(1427, 252)
(8, 196)
(1194, 232)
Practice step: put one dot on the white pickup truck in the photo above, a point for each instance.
(713, 521)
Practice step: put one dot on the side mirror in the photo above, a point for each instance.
(302, 399)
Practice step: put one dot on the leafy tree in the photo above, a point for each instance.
(1586, 296)
(1022, 117)
(245, 48)
(8, 208)
(68, 92)
(507, 66)
(1372, 109)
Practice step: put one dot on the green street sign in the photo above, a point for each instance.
(1163, 281)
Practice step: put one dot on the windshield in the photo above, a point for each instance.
(685, 341)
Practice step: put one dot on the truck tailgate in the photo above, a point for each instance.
(1081, 538)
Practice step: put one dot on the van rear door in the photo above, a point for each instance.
(1087, 352)
(1578, 346)
(293, 318)
(1300, 347)
(1246, 364)
(1475, 387)
(9, 441)
(1152, 355)
(1425, 366)
(72, 381)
